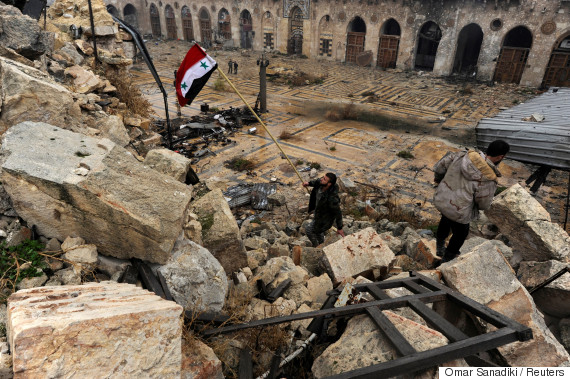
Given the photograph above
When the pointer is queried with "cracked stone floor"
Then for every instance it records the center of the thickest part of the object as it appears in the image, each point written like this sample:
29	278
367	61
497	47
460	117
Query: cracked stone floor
411	111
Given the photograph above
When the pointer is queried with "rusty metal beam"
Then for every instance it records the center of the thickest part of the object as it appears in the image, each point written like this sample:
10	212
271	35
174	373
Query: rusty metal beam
396	338
434	357
524	333
335	312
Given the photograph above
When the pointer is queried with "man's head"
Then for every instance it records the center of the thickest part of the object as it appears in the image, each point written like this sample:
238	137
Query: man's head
328	180
497	151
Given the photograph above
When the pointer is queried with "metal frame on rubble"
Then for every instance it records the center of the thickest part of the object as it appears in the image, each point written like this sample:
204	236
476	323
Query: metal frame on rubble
425	291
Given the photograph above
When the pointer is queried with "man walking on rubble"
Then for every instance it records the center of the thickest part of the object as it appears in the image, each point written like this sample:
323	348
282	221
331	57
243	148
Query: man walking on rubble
230	66
466	184
235	67
325	202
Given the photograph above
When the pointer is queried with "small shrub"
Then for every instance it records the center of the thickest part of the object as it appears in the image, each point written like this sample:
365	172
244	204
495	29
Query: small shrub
81	154
286	135
332	115
406	154
206	221
13	258
332	148
367	93
299	162
215	110
129	93
240	164
499	190
219	84
315	165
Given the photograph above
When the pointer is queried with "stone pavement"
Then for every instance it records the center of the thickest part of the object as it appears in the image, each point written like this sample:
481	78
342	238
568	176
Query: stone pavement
363	151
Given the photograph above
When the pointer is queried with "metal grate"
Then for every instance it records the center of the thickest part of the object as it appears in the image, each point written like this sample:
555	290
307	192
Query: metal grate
425	290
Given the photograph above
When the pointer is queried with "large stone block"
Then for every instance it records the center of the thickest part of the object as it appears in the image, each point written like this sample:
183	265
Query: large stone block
220	232
357	253
168	162
67	184
31	95
554	298
485	276
195	278
363	344
527	224
94	331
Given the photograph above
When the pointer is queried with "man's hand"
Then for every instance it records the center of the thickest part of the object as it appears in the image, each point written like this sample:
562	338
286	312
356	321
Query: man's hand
341	232
305	184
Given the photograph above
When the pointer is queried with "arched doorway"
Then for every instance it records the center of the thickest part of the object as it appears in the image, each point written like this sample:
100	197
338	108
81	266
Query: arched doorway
355	39
130	17
205	27
389	43
428	41
325	36
295	41
155	21
268	31
187	27
113	11
224	24
513	56
558	69
245	30
170	22
468	49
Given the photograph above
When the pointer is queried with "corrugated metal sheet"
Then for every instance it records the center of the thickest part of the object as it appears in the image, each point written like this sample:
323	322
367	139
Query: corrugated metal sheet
256	194
544	143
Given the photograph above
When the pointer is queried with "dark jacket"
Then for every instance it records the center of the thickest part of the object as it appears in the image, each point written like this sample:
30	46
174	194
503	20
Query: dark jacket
327	210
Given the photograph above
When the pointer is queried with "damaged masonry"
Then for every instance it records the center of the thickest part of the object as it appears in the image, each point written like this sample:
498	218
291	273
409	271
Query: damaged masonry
117	223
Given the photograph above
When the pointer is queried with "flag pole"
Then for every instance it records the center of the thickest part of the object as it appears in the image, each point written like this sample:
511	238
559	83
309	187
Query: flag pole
261	122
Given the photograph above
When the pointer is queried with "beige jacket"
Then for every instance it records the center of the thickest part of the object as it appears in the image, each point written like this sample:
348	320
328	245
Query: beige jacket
467	184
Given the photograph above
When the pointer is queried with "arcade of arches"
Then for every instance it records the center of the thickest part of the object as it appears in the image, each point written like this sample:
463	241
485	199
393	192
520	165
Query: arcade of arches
502	41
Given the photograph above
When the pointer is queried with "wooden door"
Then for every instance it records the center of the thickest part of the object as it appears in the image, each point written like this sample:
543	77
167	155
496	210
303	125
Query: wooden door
511	64
188	29
171	28
354	45
388	51
558	70
205	30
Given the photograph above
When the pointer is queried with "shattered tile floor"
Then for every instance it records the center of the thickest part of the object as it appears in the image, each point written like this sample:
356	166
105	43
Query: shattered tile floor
416	112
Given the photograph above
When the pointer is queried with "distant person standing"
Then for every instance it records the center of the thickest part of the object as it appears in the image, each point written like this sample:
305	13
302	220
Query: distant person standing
466	184
235	67
230	66
325	202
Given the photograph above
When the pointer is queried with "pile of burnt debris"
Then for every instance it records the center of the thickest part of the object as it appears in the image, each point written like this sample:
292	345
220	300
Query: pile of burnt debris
193	136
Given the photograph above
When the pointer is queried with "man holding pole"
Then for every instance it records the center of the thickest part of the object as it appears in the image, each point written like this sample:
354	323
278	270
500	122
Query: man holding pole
325	202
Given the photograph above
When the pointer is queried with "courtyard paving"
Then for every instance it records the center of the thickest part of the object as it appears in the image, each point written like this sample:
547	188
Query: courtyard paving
410	111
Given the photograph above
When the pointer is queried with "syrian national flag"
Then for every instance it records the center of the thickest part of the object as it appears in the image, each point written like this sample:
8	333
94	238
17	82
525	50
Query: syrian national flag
193	73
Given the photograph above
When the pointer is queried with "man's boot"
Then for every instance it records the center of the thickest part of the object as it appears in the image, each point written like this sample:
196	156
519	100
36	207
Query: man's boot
448	256
440	248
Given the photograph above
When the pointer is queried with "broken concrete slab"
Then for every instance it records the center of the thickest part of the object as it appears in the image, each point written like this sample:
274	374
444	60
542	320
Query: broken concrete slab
29	94
220	232
128	210
521	217
169	163
554	298
195	278
363	344
357	253
21	33
318	287
100	329
485	276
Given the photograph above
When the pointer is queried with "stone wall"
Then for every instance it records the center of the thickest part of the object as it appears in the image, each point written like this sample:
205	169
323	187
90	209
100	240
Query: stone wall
548	23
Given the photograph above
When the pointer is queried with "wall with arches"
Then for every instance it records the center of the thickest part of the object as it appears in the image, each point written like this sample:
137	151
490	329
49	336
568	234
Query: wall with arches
442	48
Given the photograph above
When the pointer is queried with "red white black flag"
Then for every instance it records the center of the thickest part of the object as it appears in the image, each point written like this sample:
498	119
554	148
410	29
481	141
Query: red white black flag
193	73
